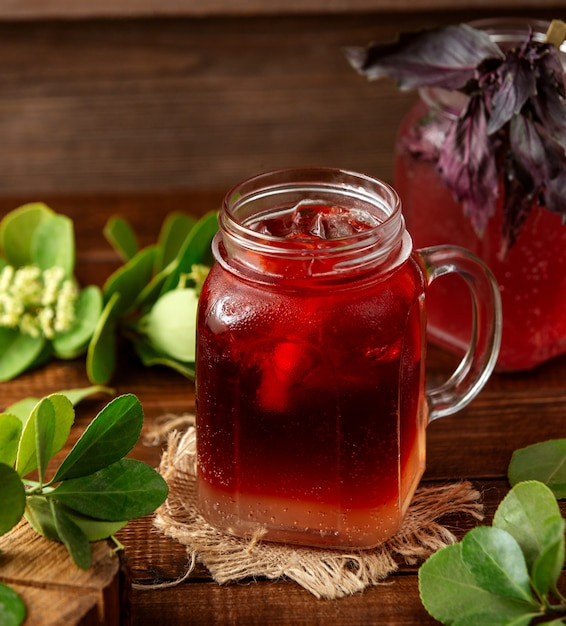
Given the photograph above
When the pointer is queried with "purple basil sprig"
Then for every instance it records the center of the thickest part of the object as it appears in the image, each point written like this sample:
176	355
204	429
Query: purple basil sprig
440	57
513	126
468	165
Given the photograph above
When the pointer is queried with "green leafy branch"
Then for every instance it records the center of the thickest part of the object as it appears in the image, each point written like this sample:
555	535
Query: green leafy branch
94	491
507	573
151	300
43	313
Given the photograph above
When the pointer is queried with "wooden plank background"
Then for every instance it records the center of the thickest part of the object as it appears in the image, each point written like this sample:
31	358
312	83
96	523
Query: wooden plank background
166	104
34	9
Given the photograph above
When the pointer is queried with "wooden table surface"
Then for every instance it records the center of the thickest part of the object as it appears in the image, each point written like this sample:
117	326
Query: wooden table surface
511	412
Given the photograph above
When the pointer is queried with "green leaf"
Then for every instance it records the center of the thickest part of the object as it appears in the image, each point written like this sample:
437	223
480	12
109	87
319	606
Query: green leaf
196	249
39	515
128	280
88	310
12	607
545	462
10	432
496	561
122	491
19	352
526	509
174	231
80	393
17	229
94	529
150	356
72	537
53	244
121	237
101	353
44	417
64	418
150	293
450	592
548	565
494	619
13	498
22	408
26	460
109	437
44	356
171	324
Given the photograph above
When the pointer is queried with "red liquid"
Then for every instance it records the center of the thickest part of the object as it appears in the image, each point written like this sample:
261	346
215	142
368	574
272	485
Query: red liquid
532	278
310	404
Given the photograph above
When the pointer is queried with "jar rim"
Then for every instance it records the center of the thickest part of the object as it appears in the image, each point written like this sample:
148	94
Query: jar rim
283	189
509	29
358	185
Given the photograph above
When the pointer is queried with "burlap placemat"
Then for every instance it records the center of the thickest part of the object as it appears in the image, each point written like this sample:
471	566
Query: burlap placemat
327	574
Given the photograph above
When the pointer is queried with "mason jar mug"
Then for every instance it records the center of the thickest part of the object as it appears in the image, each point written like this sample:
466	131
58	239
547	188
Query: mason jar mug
312	403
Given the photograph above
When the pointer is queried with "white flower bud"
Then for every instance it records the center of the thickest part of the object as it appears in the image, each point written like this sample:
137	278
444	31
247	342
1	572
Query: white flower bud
45	318
6	278
52	278
37	302
29	325
65	307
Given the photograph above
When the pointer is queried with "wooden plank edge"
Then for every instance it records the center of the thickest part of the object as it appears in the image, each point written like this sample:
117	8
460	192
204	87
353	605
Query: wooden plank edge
12	10
43	573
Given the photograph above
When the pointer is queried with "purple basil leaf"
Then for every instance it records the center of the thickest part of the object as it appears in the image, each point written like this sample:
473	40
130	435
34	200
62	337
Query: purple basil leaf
535	169
440	57
517	83
554	195
551	68
467	164
554	183
518	202
550	110
523	178
425	138
527	150
540	156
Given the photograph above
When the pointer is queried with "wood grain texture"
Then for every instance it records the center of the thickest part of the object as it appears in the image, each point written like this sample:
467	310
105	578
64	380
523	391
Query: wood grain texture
42	9
265	603
55	590
99	106
53	607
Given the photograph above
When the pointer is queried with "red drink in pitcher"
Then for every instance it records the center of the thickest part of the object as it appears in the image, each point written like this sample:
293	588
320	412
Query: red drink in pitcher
311	407
531	277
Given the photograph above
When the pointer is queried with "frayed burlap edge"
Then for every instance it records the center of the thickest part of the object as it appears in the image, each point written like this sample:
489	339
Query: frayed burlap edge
327	574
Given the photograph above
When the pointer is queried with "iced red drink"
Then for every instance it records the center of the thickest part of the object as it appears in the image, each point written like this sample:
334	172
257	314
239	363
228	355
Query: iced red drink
299	404
311	404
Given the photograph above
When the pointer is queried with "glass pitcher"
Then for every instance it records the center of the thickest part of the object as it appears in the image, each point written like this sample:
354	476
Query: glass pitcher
531	275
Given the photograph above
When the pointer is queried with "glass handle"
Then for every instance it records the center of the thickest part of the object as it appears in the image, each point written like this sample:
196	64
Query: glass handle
479	360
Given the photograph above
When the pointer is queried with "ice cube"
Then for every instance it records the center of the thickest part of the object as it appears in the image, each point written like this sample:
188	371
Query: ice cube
312	219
